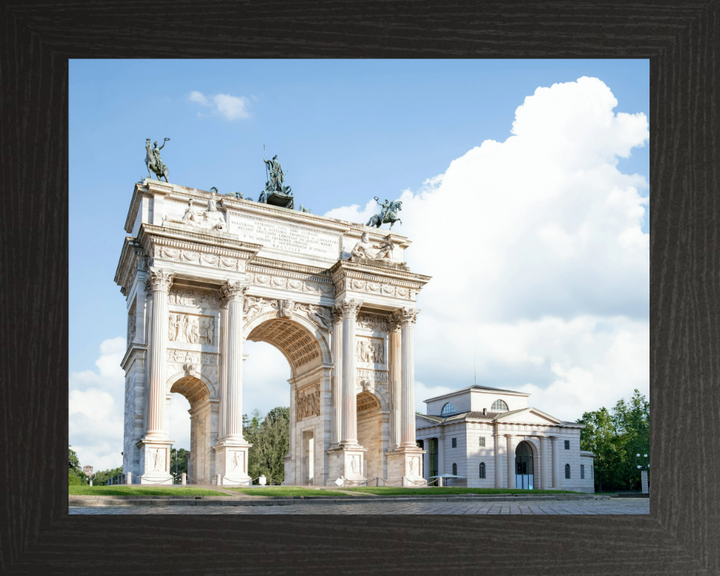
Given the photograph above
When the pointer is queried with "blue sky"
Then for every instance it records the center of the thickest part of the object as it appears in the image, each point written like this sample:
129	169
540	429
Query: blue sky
345	131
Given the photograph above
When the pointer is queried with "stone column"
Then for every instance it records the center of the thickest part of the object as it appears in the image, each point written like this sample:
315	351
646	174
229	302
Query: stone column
408	317
337	389
544	472
555	464
234	364
349	309
511	460
223	346
159	284
395	380
498	459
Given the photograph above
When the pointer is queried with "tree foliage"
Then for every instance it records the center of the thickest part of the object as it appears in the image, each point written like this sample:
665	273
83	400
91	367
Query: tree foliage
270	439
615	437
180	458
75	473
101	478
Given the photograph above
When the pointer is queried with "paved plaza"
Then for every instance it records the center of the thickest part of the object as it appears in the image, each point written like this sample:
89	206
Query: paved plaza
606	506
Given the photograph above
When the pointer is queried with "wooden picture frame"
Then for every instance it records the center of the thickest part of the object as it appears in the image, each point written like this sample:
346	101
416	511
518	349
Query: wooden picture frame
681	534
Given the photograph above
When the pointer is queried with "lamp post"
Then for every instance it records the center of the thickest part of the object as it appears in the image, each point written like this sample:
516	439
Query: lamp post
643	467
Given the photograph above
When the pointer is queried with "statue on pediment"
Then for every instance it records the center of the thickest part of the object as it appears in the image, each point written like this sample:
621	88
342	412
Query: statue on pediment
388	213
153	161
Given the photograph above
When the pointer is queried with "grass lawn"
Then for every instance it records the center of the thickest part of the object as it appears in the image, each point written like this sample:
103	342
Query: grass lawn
141	490
391	491
287	491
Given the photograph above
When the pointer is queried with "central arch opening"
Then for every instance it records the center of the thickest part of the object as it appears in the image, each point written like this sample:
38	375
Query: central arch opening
369	434
305	349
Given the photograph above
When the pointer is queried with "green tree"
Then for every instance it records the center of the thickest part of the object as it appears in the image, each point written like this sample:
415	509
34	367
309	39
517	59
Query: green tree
615	437
270	439
75	474
101	478
179	457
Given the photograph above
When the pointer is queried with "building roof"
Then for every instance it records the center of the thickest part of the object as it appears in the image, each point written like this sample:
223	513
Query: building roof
491	417
479	388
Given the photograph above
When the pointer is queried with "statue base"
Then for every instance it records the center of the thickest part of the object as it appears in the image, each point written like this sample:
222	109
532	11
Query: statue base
345	462
404	467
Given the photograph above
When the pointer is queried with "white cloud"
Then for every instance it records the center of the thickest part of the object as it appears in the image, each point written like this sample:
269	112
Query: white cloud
231	107
540	267
96	404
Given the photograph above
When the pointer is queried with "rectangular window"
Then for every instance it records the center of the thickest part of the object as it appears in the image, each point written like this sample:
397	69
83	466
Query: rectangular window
454	442
482	441
582	471
567	444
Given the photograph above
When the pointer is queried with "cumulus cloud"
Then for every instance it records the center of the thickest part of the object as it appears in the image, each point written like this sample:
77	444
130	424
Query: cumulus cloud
540	267
230	107
96	403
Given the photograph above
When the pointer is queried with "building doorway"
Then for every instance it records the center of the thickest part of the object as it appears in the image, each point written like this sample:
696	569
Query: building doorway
524	467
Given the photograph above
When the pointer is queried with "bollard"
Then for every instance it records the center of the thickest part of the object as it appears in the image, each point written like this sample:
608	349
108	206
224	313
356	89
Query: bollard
440	482
128	478
90	481
220	480
262	480
183	479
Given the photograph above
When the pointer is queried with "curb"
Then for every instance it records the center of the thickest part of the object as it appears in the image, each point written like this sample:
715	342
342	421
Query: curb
113	501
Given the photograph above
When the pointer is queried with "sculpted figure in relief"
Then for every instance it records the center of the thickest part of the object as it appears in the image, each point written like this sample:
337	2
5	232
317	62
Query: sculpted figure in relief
364	249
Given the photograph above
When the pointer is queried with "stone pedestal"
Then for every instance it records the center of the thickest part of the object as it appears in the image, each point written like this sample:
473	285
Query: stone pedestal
346	462
231	460
155	461
404	467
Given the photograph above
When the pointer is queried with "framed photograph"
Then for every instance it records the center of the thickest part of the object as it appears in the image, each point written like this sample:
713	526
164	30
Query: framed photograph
678	535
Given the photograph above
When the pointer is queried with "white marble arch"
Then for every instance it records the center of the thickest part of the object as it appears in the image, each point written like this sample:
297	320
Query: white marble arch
280	276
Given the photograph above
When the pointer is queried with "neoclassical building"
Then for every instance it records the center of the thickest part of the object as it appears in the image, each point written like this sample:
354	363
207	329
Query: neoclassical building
493	439
203	273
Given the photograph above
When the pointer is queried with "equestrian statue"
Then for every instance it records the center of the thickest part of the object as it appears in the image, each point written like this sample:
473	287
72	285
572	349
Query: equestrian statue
388	213
153	161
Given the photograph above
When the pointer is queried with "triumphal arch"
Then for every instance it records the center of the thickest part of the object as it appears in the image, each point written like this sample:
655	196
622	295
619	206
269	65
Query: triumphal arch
203	273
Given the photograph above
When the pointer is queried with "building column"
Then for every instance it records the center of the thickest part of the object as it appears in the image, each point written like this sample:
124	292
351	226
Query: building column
511	460
231	451
337	389
348	435
544	472
234	293
222	346
159	283
408	317
555	464
395	380
498	459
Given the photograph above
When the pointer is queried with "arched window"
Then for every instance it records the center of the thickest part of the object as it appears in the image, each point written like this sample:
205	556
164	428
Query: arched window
455	469
482	469
499	406
447	410
567	470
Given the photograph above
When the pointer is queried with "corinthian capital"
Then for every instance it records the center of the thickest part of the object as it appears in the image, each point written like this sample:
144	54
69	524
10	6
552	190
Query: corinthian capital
337	314
159	280
407	315
349	308
234	291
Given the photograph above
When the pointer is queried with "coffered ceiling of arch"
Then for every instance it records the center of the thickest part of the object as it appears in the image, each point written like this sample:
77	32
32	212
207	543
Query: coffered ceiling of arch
366	401
296	342
192	388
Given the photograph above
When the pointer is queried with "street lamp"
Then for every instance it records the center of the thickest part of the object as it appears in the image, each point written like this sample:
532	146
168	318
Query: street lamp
643	467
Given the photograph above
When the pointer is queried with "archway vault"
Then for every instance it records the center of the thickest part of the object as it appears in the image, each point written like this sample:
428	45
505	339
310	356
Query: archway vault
303	348
194	389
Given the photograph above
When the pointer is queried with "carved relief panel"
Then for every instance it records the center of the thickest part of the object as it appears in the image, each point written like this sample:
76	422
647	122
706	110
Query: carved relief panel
370	350
307	402
188	297
191	329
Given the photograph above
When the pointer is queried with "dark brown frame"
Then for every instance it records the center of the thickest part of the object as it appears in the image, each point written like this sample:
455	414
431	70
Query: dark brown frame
680	536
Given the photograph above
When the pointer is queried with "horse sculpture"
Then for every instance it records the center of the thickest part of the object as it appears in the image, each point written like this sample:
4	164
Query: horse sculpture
388	214
153	161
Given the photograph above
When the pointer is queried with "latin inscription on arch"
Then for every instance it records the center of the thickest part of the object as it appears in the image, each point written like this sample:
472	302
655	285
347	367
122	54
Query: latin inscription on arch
293	238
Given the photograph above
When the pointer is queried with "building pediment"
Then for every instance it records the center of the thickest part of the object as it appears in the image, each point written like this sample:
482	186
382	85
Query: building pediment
527	416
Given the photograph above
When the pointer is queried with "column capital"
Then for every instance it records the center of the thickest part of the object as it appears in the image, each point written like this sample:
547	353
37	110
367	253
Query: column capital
337	314
407	315
159	280
394	322
349	308
234	290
